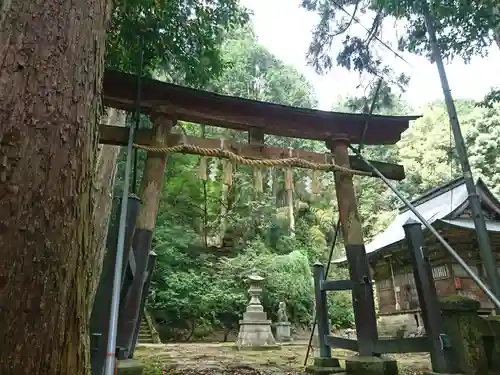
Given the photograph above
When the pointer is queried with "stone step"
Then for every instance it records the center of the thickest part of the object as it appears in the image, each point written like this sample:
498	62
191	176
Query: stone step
145	335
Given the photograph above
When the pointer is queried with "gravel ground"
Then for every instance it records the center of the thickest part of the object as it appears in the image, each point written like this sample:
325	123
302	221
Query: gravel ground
222	359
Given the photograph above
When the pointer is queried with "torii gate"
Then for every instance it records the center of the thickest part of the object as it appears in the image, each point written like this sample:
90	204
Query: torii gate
166	104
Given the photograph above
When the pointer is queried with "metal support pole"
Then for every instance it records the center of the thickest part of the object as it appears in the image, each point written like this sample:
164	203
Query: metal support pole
109	367
99	321
429	304
445	244
475	204
321	311
115	301
335	236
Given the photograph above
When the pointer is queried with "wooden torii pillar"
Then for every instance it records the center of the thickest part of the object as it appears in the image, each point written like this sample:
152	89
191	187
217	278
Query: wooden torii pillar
352	231
134	292
138	259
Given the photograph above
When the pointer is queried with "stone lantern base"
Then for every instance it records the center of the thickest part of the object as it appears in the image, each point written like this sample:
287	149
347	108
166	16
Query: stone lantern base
255	329
256	335
283	331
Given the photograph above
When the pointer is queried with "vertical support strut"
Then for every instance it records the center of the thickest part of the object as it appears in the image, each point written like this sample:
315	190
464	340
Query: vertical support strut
110	285
431	314
477	215
110	362
99	320
151	191
362	290
321	311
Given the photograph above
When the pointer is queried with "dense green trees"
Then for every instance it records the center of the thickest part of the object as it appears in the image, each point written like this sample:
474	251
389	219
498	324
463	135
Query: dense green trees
210	237
464	29
198	289
181	38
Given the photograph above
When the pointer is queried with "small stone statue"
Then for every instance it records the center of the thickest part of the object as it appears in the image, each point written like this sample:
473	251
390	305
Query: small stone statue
282	315
283	326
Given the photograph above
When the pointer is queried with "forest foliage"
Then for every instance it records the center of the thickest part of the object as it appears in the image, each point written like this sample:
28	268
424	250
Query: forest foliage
371	30
209	238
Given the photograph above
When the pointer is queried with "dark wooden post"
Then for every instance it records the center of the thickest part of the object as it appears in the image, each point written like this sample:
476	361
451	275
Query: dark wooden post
362	290
150	193
321	310
427	296
99	319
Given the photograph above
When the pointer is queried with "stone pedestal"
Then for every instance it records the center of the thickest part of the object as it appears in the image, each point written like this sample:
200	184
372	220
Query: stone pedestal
464	329
130	367
255	328
325	366
360	365
283	331
491	341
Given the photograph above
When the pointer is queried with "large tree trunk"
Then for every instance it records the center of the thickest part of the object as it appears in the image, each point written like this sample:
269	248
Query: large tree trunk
50	82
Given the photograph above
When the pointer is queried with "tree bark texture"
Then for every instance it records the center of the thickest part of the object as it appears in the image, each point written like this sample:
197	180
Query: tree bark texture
50	82
102	195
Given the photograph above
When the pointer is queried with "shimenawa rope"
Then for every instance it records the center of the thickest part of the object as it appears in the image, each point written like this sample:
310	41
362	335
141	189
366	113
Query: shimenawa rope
280	163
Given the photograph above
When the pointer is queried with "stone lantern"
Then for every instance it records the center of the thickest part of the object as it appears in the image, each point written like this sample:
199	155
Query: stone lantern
255	328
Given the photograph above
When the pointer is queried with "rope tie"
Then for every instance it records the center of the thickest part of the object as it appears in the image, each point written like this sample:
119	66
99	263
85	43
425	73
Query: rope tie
268	163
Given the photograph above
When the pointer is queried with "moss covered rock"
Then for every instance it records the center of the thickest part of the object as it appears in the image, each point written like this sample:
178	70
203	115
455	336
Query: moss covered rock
459	303
465	331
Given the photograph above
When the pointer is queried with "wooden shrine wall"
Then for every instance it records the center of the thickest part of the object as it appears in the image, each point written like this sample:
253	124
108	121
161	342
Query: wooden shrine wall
449	278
